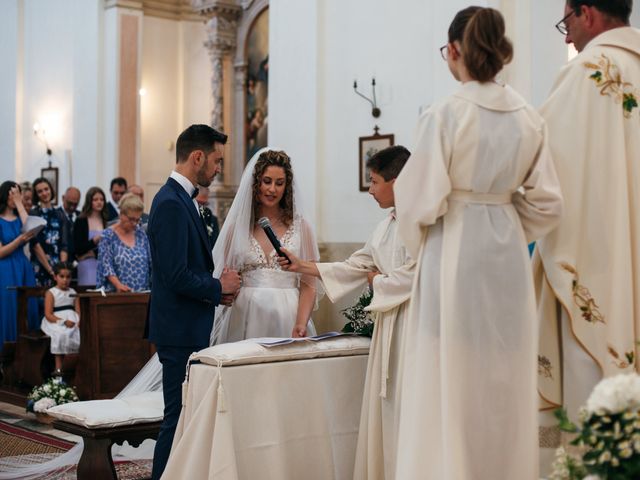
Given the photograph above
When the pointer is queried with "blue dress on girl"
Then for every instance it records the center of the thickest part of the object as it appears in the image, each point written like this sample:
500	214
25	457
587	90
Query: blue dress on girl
15	270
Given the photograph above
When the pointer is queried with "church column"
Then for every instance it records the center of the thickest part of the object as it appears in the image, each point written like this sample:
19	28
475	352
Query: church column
121	115
221	31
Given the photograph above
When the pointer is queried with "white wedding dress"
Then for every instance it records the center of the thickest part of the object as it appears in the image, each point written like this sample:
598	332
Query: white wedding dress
267	304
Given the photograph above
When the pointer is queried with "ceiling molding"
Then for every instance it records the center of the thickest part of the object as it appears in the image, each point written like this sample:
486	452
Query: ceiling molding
167	9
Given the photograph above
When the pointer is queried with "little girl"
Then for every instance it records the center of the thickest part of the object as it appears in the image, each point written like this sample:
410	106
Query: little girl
61	316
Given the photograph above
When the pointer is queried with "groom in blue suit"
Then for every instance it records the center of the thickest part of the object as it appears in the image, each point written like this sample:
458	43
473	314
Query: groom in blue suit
184	293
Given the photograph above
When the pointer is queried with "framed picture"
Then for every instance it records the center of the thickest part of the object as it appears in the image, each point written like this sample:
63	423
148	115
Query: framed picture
369	146
51	174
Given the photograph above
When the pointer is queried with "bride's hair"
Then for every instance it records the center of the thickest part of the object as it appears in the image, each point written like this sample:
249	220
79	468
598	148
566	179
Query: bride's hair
274	158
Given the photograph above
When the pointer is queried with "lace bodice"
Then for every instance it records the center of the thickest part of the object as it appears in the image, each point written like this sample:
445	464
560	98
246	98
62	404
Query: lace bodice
262	270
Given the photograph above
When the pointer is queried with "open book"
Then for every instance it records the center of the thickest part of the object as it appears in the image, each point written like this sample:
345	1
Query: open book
275	342
34	224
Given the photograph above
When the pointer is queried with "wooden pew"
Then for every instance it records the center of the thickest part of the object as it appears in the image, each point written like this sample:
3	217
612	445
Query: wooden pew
112	347
32	352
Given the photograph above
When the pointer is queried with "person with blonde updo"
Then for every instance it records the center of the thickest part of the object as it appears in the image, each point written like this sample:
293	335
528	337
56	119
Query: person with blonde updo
124	259
479	185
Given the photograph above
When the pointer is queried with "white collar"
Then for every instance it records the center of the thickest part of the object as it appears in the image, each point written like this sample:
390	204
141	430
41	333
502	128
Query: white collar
184	182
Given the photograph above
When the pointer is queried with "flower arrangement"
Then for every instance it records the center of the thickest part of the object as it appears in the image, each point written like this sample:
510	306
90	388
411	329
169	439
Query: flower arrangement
359	320
51	393
608	435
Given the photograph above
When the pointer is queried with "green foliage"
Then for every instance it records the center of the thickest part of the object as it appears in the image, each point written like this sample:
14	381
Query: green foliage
359	321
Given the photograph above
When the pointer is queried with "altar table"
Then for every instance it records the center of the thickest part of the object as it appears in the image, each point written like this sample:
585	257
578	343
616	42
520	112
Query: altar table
285	413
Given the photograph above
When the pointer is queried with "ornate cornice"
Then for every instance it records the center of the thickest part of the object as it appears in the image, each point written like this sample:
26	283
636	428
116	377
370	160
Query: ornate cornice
212	8
169	9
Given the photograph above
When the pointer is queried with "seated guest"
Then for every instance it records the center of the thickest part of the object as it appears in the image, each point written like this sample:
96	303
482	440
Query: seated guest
51	244
210	220
117	189
124	260
15	269
62	316
137	190
87	233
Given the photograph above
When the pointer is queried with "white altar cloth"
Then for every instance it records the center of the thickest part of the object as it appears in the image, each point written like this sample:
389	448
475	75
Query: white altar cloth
290	418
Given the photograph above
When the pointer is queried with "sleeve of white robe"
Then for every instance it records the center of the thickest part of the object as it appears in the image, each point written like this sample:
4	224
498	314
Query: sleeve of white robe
423	185
539	204
390	291
340	278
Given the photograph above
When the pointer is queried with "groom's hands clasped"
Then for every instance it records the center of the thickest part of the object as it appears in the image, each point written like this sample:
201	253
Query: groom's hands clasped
231	282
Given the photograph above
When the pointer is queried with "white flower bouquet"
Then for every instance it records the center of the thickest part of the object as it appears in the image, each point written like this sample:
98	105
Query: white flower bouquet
609	434
51	393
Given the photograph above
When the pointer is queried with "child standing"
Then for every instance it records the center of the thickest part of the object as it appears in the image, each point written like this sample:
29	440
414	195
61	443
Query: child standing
62	316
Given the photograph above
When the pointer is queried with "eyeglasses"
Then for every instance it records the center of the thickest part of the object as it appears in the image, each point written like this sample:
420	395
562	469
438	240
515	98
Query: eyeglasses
443	51
562	24
134	220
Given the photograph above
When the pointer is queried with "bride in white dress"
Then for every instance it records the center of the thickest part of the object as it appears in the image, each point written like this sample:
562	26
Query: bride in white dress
271	302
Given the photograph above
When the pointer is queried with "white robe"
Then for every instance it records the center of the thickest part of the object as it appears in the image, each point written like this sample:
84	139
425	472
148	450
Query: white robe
588	269
478	186
384	252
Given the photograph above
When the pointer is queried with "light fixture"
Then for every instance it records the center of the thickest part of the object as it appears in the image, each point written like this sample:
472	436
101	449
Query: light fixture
375	111
142	92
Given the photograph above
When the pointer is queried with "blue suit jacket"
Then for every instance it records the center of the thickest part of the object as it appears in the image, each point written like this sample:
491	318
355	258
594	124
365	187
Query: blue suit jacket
183	292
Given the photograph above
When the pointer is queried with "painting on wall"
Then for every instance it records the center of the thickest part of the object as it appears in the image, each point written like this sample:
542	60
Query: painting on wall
257	87
369	146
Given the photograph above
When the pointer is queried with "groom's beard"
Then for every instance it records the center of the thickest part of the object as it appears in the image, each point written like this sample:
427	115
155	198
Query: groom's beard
202	177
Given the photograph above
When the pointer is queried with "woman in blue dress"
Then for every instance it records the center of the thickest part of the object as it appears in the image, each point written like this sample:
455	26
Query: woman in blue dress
15	269
53	239
124	258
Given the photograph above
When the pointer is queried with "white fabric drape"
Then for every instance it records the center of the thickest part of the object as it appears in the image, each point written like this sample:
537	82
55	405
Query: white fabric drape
479	184
286	420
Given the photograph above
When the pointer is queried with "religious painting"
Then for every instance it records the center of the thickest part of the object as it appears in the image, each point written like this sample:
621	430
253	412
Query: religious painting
51	174
369	146
257	87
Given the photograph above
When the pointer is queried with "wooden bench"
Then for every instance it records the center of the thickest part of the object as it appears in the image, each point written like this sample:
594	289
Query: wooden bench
96	462
103	423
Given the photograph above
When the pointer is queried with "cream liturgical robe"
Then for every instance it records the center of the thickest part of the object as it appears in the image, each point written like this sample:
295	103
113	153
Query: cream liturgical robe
384	252
478	186
591	263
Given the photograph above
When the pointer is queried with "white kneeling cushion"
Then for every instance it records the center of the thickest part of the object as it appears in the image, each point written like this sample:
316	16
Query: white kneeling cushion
250	351
144	408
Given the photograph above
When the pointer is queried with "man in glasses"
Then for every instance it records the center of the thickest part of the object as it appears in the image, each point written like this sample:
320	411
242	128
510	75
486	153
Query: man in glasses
588	269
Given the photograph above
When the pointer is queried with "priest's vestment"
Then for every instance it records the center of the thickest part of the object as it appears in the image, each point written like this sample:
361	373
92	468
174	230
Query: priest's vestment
479	185
588	269
384	252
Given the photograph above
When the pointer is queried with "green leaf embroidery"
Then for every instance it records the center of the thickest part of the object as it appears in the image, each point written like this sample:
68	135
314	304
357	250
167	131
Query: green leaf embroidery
629	102
597	76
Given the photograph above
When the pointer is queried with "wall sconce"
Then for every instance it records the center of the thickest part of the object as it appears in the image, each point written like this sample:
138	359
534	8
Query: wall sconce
41	135
375	111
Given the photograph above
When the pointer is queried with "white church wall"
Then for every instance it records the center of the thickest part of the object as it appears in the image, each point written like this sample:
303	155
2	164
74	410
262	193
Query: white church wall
52	78
159	107
317	117
175	76
10	53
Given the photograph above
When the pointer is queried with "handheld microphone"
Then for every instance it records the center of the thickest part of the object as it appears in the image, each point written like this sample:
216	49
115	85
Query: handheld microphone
266	226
